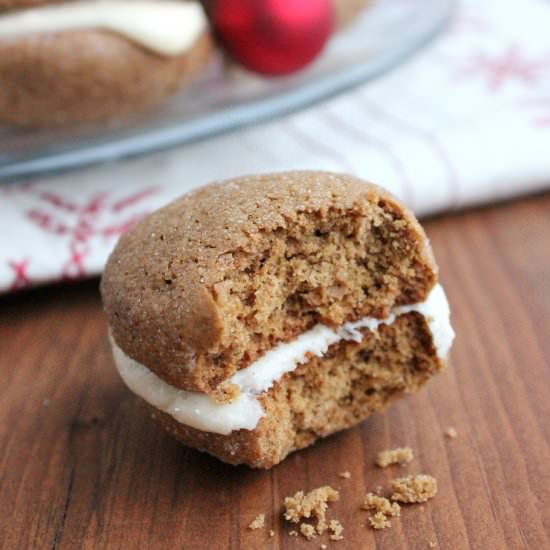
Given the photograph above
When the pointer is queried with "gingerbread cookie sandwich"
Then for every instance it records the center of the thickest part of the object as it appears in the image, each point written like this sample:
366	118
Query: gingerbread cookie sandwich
260	314
86	61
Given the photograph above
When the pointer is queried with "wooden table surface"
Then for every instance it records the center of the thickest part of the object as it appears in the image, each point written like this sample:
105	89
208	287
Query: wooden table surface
83	466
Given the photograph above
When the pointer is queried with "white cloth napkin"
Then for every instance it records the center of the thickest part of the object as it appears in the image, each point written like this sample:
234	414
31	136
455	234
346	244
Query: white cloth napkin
465	122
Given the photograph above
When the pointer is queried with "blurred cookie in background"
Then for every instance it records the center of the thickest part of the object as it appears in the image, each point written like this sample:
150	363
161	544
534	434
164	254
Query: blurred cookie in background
86	62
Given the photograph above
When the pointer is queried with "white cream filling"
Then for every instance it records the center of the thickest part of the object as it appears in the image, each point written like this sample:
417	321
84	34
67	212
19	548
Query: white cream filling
201	412
167	27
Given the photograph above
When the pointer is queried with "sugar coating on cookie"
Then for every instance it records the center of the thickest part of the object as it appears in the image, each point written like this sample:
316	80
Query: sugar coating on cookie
259	314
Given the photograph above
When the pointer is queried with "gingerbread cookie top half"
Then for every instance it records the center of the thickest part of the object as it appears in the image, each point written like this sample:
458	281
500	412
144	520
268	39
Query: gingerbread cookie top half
226	272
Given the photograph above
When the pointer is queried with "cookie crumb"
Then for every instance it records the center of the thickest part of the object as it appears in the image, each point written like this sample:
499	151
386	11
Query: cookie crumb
257	523
345	475
323	547
336	530
271	533
381	504
293	533
415	488
432	544
451	433
379	521
399	455
313	504
308	531
225	393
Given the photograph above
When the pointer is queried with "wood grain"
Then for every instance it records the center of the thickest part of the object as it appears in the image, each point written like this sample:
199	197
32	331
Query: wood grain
83	466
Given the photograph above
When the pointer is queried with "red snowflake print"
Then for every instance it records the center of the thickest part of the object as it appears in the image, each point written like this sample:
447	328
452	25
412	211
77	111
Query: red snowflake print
74	266
20	274
82	221
509	66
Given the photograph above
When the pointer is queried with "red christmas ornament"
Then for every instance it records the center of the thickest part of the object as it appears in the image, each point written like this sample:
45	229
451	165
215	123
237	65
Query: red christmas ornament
273	37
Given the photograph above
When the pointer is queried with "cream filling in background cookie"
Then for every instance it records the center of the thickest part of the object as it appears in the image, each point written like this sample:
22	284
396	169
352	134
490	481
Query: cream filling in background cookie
199	411
166	27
